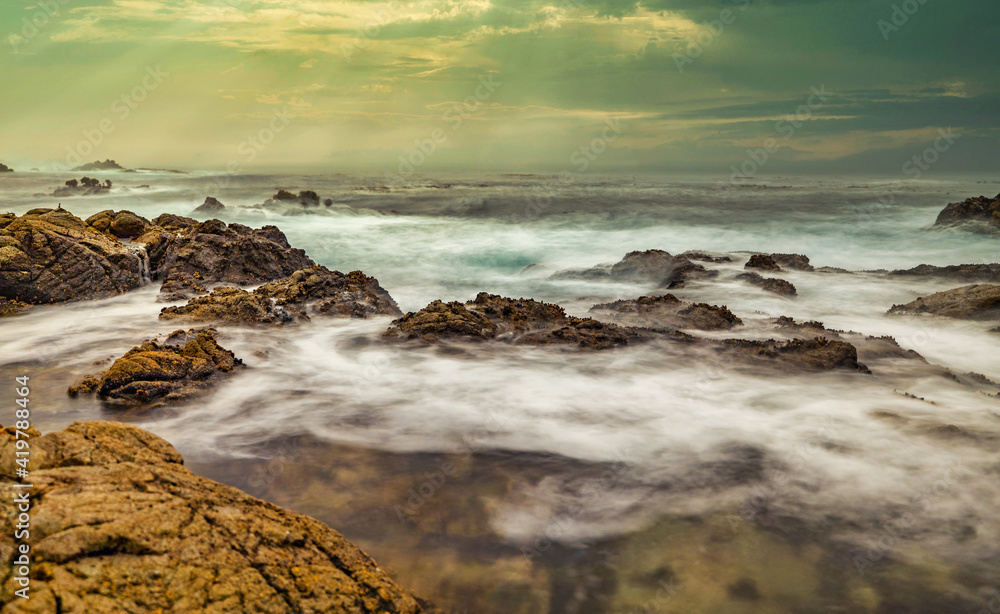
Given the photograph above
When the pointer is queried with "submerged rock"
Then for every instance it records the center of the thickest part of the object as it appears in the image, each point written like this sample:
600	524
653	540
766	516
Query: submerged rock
705	257
957	272
122	225
815	353
518	321
667	311
50	255
211	205
653	266
312	291
795	262
770	284
762	262
974	302
118	524
186	254
184	365
979	210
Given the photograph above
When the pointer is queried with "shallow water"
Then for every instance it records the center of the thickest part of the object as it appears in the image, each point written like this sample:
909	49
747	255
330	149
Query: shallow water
751	489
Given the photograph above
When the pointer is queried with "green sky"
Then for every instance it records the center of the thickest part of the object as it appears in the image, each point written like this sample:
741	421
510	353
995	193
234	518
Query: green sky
500	84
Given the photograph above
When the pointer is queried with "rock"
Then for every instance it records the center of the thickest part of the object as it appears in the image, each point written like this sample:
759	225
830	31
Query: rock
762	262
704	257
312	291
770	284
5	169
979	210
211	205
107	165
795	262
118	524
306	198
86	186
50	255
122	225
193	254
974	302
817	353
667	311
653	266
184	365
9	307
517	321
958	272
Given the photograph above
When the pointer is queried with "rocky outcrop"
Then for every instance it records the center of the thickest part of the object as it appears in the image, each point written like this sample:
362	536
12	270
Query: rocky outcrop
9	307
979	210
762	262
666	311
186	255
182	366
121	225
770	284
517	321
817	353
210	206
653	266
705	257
959	272
50	255
107	165
86	186
794	262
305	198
869	348
5	169
119	525
313	291
975	302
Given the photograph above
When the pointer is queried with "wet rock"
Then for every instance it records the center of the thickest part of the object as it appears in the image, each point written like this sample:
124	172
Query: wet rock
795	262
305	198
989	273
5	169
981	211
183	366
313	291
9	307
122	225
50	255
653	266
119	524
817	353
974	302
770	284
200	253
210	206
705	257
87	186
762	262
667	311
518	321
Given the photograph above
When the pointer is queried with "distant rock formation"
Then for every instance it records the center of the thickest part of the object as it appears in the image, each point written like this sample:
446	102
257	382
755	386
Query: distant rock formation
5	169
211	205
980	211
184	365
305	198
107	165
957	272
86	186
666	311
974	302
120	525
653	266
309	292
770	284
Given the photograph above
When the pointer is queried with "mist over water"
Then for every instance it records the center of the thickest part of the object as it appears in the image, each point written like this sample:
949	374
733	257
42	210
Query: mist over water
848	451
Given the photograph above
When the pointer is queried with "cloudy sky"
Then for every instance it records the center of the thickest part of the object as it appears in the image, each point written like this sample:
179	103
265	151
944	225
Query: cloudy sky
657	85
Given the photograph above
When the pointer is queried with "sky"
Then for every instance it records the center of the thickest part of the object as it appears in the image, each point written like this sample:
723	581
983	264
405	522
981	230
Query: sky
818	86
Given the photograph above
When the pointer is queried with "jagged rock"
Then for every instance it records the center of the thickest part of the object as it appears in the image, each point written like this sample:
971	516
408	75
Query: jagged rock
957	272
50	255
195	253
870	348
316	290
184	365
979	210
306	198
816	353
795	262
770	284
653	266
211	205
975	302
518	321
667	311
5	169
123	224
86	186
704	257
118	524
9	307
762	262
107	165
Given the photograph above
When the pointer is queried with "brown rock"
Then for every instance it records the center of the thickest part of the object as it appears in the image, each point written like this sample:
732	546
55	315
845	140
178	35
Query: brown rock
667	311
979	210
817	353
50	255
316	290
122	225
211	205
183	366
975	302
988	273
770	284
119	525
795	262
762	262
9	307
